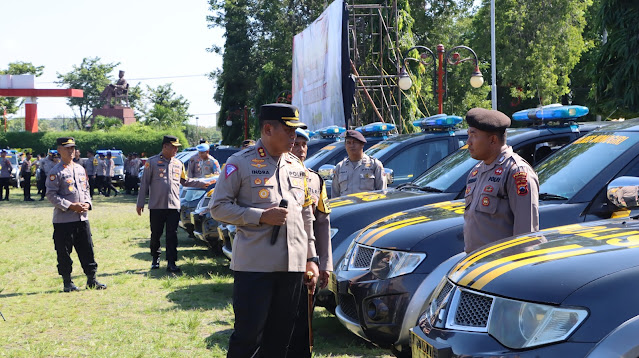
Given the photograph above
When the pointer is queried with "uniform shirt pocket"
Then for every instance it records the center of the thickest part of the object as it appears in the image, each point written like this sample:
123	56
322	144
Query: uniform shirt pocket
342	178
488	200
297	189
468	194
261	189
367	181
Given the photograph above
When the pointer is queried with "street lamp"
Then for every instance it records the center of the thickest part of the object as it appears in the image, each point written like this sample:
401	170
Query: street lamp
440	65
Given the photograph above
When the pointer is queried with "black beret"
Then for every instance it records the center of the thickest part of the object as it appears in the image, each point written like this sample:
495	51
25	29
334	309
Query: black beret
66	141
171	140
286	113
351	133
487	120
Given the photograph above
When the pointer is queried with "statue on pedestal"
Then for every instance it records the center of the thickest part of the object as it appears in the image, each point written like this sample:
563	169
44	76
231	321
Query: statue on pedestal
119	91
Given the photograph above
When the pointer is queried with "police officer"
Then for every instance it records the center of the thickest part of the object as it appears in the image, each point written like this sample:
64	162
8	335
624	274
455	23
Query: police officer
25	172
100	174
90	166
5	174
163	174
357	172
203	164
108	177
46	164
502	190
274	245
299	346
134	171
68	191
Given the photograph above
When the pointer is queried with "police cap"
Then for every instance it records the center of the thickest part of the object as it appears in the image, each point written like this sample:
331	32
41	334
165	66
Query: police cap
285	113
351	133
487	120
302	133
202	147
65	141
171	140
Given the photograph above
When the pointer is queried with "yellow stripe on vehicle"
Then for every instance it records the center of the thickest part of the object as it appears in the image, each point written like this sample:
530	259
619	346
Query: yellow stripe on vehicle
469	260
373	232
479	284
379	235
470	277
385	218
620	214
335	204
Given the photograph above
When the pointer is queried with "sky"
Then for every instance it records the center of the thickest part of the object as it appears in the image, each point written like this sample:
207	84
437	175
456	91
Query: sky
155	41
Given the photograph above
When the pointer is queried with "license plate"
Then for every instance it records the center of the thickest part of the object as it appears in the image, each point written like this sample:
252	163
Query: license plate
420	348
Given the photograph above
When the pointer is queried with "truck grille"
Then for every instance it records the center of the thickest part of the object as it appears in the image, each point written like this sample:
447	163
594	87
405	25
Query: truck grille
442	294
347	304
473	310
363	256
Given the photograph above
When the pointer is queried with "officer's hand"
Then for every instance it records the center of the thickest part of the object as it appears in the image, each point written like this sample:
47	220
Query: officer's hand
203	185
77	207
275	216
139	210
312	267
323	279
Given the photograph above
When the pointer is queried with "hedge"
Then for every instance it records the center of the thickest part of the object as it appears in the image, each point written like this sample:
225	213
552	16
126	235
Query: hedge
130	138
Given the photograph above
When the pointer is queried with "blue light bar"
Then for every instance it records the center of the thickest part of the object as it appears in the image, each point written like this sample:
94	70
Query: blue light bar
551	112
330	131
438	121
310	133
375	128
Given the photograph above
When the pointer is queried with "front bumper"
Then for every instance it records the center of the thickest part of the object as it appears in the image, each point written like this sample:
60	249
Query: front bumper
374	309
452	344
196	221
185	218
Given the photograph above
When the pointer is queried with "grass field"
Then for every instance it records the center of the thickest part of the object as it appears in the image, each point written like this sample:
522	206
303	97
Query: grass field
143	313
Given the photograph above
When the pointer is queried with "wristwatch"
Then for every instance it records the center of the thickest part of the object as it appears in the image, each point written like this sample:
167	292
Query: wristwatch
314	259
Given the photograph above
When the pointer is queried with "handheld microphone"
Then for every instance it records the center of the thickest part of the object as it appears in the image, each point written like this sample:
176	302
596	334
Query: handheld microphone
276	229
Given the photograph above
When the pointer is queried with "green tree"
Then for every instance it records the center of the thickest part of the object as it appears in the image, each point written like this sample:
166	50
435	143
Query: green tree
91	77
617	62
12	104
167	109
538	45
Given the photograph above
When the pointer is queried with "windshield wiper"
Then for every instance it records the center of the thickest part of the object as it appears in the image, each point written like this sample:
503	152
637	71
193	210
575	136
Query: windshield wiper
548	196
430	189
409	186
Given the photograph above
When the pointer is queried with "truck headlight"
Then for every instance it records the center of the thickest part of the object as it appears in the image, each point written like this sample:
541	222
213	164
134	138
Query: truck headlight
388	264
518	324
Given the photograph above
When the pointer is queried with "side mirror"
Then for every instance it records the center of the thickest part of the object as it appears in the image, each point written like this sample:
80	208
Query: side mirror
623	192
326	171
390	176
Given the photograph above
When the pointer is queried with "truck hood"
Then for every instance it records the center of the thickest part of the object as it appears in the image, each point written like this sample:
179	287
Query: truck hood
549	265
423	221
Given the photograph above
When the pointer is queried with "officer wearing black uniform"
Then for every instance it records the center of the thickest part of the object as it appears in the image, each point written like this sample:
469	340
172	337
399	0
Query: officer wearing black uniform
68	191
25	172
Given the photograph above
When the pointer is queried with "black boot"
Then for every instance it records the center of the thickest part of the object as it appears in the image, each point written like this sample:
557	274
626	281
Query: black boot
172	267
92	283
156	263
69	286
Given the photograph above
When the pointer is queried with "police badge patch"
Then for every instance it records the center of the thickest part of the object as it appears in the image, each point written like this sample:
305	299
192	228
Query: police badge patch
230	169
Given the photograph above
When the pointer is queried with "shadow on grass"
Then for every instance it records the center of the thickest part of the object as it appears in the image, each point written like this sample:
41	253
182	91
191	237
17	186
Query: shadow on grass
332	338
206	296
220	339
7	295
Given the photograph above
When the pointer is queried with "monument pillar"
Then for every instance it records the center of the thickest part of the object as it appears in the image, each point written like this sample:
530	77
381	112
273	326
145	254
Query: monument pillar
31	115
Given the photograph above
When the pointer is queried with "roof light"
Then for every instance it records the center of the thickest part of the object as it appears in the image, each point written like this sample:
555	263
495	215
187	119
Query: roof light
376	128
438	121
330	131
551	112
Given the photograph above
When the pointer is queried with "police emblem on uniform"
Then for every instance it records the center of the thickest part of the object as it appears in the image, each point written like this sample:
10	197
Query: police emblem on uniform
69	180
230	169
474	172
263	193
499	170
488	189
258	160
521	182
71	188
485	201
467	189
257	181
257	165
52	177
261	152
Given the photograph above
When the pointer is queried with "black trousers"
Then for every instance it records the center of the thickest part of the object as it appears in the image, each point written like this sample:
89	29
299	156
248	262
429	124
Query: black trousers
300	347
27	186
108	185
4	185
265	305
67	236
42	188
99	183
161	218
91	184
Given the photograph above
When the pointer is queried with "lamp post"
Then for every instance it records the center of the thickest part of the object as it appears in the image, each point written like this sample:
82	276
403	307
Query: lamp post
440	66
